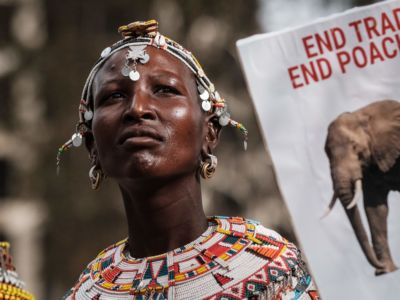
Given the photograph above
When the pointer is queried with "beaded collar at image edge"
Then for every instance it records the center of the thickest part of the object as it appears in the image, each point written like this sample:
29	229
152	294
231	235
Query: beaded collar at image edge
137	36
232	252
11	287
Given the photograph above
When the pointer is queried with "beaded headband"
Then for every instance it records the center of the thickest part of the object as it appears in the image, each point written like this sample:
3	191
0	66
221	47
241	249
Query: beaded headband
138	36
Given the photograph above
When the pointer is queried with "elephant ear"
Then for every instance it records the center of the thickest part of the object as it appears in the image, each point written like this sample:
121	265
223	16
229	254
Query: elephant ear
385	134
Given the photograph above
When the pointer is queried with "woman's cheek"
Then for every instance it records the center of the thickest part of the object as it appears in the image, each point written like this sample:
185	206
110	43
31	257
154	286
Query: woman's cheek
180	113
104	120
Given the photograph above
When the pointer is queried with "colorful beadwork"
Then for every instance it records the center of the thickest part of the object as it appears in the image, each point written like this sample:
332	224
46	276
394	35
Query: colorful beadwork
11	287
233	259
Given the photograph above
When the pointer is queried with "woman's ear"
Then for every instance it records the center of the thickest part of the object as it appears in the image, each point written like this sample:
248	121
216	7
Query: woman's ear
91	148
213	131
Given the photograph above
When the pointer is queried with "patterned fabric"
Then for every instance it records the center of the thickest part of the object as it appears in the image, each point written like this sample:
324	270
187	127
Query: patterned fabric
233	259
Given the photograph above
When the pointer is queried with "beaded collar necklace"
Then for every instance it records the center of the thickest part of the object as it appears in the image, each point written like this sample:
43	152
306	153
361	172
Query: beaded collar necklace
115	271
234	258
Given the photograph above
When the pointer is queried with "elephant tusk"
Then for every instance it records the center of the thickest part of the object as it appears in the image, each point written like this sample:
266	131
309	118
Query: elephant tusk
357	195
330	206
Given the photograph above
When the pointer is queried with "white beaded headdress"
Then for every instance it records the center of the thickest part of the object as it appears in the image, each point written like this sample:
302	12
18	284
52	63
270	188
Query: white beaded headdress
137	36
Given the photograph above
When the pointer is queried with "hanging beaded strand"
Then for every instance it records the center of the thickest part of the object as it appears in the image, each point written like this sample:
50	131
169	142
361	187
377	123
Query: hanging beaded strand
138	36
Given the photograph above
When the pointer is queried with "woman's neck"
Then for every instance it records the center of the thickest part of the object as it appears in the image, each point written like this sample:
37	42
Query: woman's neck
163	214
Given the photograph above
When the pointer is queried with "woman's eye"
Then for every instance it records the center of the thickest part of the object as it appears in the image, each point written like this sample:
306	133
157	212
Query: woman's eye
167	90
116	95
110	98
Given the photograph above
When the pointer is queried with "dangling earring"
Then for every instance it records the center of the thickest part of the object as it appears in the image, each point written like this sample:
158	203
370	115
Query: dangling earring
208	167
96	176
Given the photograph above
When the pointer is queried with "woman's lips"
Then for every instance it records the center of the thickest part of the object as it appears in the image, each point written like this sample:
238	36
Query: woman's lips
140	137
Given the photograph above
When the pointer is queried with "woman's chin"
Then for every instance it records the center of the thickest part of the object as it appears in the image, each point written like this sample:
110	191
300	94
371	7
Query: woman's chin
139	165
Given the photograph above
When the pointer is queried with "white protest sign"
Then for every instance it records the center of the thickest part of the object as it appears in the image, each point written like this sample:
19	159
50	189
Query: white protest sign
301	80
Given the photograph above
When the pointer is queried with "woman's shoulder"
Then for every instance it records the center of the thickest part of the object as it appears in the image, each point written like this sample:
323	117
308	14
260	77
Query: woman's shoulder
282	271
104	259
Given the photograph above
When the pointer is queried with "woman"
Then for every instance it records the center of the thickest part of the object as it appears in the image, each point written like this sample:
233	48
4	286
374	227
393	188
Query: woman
151	118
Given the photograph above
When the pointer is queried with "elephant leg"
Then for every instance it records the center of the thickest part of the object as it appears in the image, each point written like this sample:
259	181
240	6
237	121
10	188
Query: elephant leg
376	208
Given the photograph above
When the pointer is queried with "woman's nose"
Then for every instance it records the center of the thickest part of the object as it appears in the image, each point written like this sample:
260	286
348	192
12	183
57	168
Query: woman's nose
140	107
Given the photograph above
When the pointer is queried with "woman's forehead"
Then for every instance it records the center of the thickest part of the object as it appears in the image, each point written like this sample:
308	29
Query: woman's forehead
160	62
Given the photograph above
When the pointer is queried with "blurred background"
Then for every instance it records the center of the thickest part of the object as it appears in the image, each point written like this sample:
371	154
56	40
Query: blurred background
57	224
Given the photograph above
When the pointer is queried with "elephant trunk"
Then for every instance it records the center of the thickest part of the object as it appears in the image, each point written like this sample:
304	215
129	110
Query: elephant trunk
349	192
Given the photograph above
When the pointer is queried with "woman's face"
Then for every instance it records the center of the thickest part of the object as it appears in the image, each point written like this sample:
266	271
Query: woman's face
152	127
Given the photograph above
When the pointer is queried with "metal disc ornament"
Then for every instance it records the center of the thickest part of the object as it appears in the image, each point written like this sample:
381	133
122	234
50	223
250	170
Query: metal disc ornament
219	111
200	72
76	139
206	105
224	119
160	41
145	58
105	52
126	70
88	115
204	95
200	88
134	75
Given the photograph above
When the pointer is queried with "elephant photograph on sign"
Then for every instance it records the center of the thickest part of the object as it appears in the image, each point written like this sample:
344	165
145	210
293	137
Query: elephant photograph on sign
363	148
